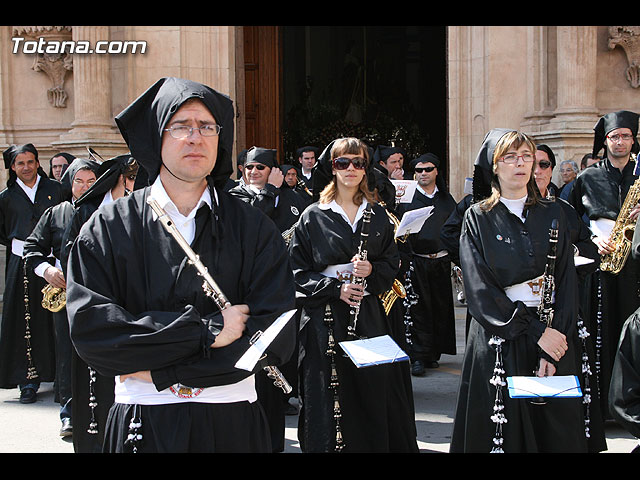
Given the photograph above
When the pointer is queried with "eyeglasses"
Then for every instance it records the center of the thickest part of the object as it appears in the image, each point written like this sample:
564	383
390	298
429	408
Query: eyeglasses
424	169
616	138
342	163
184	131
513	158
544	164
82	183
251	167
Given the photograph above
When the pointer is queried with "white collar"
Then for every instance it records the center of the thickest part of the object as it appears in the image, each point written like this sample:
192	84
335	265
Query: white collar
159	193
30	191
430	195
333	205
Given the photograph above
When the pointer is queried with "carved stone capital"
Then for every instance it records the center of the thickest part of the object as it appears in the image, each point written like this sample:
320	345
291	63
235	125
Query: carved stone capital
629	39
55	64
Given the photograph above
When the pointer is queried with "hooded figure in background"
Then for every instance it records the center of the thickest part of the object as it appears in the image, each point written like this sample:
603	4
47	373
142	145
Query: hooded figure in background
140	312
45	241
599	192
432	327
58	164
24	362
116	177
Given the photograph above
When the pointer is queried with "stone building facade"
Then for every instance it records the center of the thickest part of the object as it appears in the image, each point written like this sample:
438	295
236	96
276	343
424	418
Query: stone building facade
550	81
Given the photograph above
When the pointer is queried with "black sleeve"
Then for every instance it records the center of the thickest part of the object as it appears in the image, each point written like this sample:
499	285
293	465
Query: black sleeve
624	391
114	341
38	245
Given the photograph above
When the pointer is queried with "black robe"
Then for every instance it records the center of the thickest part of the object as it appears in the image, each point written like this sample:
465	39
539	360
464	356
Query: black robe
46	239
598	192
125	268
376	403
93	392
18	217
498	250
624	392
433	316
284	206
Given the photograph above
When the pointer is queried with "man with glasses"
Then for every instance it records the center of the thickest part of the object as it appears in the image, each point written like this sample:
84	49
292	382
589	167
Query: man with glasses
433	318
46	240
598	192
137	308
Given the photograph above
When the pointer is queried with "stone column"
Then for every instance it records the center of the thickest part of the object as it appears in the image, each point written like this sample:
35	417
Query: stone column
93	124
568	128
577	54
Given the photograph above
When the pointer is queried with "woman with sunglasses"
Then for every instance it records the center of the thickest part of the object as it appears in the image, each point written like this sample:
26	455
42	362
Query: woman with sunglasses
345	408
504	248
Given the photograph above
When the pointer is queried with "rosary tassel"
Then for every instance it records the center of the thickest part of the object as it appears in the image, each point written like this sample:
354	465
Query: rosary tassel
31	369
409	300
134	437
498	381
586	373
93	402
334	384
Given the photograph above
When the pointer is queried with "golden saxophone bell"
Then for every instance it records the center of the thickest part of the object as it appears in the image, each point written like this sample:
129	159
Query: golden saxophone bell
622	233
54	299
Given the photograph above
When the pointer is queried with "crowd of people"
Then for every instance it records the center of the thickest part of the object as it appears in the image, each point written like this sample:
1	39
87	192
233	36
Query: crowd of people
163	272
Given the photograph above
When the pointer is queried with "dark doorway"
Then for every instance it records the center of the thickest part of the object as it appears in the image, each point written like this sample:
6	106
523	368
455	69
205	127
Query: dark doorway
384	84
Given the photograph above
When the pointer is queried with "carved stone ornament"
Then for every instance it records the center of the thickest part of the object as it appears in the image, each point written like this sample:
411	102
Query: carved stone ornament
629	39
55	64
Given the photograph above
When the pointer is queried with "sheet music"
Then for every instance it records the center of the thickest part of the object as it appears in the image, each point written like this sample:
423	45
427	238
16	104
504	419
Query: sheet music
404	190
256	351
413	220
367	352
561	386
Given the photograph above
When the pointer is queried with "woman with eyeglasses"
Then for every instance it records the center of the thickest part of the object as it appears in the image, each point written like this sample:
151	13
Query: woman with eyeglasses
345	408
504	248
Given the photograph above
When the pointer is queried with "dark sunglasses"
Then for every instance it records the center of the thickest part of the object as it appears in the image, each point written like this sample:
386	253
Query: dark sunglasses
544	164
424	169
251	167
342	163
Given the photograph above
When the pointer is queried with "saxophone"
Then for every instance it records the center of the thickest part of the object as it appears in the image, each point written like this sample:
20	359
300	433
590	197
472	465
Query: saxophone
622	233
54	299
397	290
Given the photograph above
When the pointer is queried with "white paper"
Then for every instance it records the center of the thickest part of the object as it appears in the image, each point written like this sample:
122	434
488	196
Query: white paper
255	351
373	351
404	190
579	260
413	220
561	386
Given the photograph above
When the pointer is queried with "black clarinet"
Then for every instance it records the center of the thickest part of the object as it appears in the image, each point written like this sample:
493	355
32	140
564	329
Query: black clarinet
545	307
360	281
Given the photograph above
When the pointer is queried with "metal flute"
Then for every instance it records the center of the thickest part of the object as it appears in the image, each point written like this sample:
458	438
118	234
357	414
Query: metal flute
209	286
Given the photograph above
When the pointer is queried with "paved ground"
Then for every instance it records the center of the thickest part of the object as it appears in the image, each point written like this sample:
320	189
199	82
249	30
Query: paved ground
34	428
